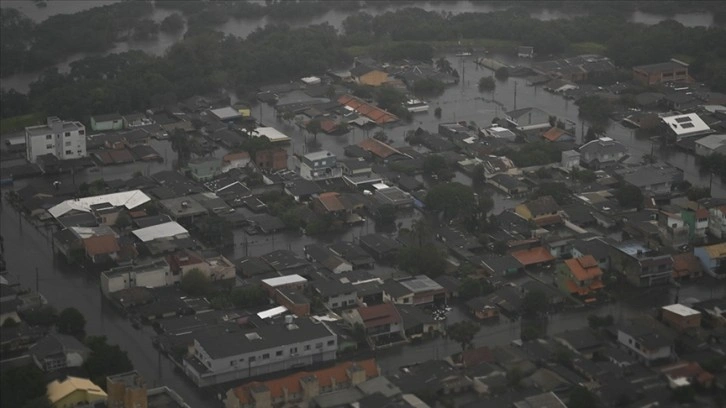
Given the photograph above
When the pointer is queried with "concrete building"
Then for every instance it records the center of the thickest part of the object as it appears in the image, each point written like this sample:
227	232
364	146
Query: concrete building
711	144
601	152
221	356
647	340
680	317
151	275
111	121
653	74
335	294
688	125
129	390
64	140
58	351
640	265
319	166
713	259
717	221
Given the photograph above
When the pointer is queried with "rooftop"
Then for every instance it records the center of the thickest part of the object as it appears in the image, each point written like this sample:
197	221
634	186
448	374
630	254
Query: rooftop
421	283
533	256
129	199
661	67
681	310
165	230
57	390
271	133
284	280
686	124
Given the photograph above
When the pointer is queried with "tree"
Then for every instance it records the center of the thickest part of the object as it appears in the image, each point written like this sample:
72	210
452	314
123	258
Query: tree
123	221
426	259
173	23
19	386
478	176
581	397
437	112
181	144
487	84
428	87
443	65
596	322
558	191
437	166
9	323
105	359
463	333
534	303
450	199
629	196
45	315
472	287
314	127
502	73
696	193
386	215
195	283
380	135
249	296
71	322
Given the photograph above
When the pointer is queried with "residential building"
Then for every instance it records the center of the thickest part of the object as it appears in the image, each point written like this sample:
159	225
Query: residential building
218	356
380	246
713	259
602	152
151	275
64	140
292	300
319	166
674	231
556	134
365	75
58	351
640	265
424	290
111	121
581	277
482	308
72	391
335	294
274	158
324	256
235	161
660	73
548	400
653	179
525	51
717	221
294	282
162	233
570	159
128	199
646	339
711	144
595	247
680	317
215	267
129	390
302	387
371	112
382	323
508	184
686	266
418	323
380	151
542	211
204	169
393	196
687	125
528	119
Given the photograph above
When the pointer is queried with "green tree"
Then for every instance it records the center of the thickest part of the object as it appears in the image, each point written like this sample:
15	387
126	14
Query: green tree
558	191
596	322
21	385
478	176
426	259
696	193
123	221
173	23
487	84
581	397
385	215
45	315
437	112
534	303
502	73
314	127
435	165
472	287
105	359
463	333
450	199
249	296
195	283
629	196
428	87
71	322
181	144
443	65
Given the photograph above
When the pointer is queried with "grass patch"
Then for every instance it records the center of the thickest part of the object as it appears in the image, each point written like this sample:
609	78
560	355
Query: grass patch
17	123
588	48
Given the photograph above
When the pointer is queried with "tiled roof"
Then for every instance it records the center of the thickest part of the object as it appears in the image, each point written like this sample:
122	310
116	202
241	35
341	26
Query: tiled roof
533	256
716	251
103	244
373	316
378	148
554	134
373	113
292	383
331	201
584	268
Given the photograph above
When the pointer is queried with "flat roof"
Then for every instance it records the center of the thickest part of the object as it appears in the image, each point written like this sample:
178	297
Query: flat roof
266	314
686	124
421	283
284	280
165	230
271	133
227	112
681	310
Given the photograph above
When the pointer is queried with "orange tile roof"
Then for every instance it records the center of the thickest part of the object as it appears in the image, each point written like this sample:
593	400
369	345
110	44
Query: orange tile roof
373	113
686	264
102	244
584	268
701	213
377	315
548	220
554	134
377	147
331	201
291	383
533	256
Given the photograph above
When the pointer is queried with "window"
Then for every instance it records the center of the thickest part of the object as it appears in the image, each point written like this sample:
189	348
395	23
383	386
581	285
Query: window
68	143
331	342
307	347
319	345
81	132
266	356
69	151
252	359
49	146
241	360
231	363
278	353
293	350
48	137
67	134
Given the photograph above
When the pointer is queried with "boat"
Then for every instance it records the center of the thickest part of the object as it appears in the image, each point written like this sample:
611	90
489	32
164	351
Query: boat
416	105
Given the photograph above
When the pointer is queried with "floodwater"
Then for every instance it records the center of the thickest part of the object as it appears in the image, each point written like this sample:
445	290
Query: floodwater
243	27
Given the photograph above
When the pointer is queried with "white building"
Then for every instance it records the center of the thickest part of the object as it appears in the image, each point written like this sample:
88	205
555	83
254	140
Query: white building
686	125
222	356
320	166
647	343
711	144
64	140
152	275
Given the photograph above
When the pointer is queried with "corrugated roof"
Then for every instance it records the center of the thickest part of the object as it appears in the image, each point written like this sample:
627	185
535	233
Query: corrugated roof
165	230
716	251
57	390
284	280
374	113
331	201
128	199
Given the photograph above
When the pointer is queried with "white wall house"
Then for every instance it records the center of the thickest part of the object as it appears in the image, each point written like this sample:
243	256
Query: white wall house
64	140
152	275
646	344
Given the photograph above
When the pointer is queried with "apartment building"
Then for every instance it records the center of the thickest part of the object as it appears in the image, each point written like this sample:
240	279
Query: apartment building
64	140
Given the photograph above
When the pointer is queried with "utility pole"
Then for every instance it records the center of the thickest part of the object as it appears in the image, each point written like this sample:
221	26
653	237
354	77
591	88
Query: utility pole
515	95
37	281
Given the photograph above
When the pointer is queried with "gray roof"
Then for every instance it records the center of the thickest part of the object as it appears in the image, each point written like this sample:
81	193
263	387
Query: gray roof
54	344
220	344
508	181
651	334
644	176
603	146
395	289
332	287
542	205
660	67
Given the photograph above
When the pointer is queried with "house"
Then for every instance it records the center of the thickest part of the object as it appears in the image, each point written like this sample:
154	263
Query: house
556	134
127	199
663	72
319	166
713	311
294	282
64	140
498	132
534	257
301	388
335	294
381	151
524	51
226	114
482	308
393	196
528	119
684	373
331	203
594	247
653	179
680	317
603	152
686	266
640	265
711	144
101	248
380	246
507	299
322	255
717	221
111	121
382	323
417	323
153	274
129	389
58	351
508	184
214	267
547	399
274	158
73	391
713	259
424	290
218	356
204	169
369	111
302	190
542	211
501	266
646	339
364	74
688	125
581	277
353	254
294	301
